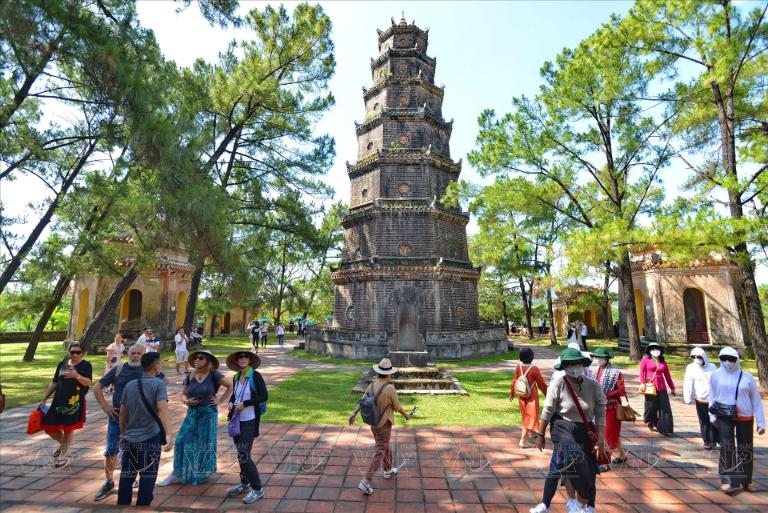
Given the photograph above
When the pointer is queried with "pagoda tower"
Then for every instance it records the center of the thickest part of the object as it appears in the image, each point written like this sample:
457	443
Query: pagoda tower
405	282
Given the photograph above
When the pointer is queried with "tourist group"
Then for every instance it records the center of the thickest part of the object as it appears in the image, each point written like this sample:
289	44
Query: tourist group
584	407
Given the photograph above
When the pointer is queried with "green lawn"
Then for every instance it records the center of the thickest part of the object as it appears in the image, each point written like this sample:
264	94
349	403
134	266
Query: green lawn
300	353
329	400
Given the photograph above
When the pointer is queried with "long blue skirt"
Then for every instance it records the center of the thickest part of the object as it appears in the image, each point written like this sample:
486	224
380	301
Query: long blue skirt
194	453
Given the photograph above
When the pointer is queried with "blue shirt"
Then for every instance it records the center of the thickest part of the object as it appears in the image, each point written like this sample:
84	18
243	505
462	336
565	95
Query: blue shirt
127	374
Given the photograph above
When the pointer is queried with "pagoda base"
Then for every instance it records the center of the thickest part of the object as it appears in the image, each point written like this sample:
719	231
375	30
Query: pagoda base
441	346
409	358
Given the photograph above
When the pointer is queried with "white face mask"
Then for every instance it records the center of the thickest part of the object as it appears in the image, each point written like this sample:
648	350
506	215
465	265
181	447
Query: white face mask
731	366
602	362
575	371
655	353
700	362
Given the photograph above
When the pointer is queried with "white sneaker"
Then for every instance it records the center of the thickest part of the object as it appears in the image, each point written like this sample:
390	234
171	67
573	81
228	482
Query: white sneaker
168	480
365	488
574	506
390	473
539	508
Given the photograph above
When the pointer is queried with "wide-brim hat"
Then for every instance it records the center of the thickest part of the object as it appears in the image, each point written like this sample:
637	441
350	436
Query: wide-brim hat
602	352
232	360
384	367
571	355
654	344
210	355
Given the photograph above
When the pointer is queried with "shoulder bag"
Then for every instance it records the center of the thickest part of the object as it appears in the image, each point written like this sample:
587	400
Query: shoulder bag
590	427
625	412
152	412
649	387
727	411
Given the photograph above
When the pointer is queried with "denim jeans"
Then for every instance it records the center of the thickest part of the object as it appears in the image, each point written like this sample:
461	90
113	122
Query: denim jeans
142	458
243	443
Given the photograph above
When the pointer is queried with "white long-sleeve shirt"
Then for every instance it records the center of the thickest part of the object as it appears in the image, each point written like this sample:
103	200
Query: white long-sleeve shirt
696	381
722	388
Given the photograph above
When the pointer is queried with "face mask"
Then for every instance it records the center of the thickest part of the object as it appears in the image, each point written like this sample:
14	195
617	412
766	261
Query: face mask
699	362
731	366
602	362
575	371
655	353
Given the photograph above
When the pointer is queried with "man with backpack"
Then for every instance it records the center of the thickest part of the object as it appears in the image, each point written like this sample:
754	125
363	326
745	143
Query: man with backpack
118	377
377	408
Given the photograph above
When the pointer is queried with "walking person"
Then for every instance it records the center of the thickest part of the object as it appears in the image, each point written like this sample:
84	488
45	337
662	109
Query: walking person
386	404
264	332
145	428
584	333
571	336
291	327
280	334
696	390
612	382
654	378
255	335
249	392
735	407
182	353
115	352
116	378
572	399
145	335
526	384
69	387
152	342
194	454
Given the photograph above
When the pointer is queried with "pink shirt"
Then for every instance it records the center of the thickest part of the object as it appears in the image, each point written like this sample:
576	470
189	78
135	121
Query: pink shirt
647	369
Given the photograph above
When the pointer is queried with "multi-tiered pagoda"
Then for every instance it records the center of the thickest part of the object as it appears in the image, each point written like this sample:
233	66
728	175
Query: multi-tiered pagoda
405	281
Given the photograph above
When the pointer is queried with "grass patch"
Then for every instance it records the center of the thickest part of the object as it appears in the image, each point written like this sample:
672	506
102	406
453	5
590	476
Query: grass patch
483	360
300	353
327	398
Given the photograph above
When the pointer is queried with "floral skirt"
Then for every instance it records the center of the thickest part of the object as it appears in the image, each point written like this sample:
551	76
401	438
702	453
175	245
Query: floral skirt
194	453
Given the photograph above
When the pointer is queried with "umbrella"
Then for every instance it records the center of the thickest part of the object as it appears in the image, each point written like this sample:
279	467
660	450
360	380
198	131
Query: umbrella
310	322
329	317
264	320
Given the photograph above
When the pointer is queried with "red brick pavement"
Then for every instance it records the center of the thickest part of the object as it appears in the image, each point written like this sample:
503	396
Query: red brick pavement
445	469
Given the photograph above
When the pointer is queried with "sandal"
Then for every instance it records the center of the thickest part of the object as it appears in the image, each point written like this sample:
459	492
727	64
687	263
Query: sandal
57	453
63	462
618	461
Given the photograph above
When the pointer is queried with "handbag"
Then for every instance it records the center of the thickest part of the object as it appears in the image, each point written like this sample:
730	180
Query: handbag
35	423
625	412
727	411
152	412
233	424
649	388
591	430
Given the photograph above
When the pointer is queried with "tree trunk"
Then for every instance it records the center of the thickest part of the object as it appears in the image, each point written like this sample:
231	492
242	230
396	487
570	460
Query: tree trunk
526	307
214	319
505	317
628	309
58	292
108	308
194	289
607	328
551	314
756	322
281	288
18	258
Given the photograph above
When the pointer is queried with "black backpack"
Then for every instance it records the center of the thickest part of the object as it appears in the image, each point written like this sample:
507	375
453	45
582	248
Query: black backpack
368	409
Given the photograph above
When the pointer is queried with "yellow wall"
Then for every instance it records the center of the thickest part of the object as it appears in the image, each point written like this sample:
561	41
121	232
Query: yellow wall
640	311
82	312
181	308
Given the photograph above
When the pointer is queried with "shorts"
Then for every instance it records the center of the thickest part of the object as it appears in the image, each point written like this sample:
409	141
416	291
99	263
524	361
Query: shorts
181	356
113	437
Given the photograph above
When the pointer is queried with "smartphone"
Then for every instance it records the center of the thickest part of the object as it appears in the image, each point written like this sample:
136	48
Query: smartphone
411	413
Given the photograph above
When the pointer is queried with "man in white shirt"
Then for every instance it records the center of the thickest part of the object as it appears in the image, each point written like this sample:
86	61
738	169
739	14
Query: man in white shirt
152	343
181	350
146	335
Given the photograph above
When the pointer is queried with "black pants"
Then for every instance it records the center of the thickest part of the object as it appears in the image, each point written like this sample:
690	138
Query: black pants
572	459
584	342
709	433
736	453
658	413
243	443
142	458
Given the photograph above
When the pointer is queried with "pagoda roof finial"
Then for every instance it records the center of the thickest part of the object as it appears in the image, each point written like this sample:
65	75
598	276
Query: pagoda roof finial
402	19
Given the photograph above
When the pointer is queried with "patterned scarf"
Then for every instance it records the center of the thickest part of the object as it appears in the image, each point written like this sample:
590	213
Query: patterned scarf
608	379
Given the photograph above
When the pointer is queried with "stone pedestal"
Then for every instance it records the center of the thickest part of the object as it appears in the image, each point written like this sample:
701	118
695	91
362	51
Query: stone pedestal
409	358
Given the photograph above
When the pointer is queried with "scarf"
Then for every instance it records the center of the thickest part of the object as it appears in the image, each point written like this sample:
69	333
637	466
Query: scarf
608	379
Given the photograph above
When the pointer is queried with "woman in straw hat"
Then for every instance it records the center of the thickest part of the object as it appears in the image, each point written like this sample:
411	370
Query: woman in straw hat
612	382
571	398
386	403
249	391
194	453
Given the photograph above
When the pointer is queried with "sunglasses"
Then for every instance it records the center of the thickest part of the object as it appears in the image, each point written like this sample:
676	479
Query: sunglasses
696	358
201	357
728	358
243	356
75	352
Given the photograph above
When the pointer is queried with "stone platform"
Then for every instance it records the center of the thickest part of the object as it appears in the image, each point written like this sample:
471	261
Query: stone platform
428	380
441	346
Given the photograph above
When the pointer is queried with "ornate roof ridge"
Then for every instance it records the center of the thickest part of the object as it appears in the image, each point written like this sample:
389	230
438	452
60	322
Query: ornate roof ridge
403	52
404	155
646	265
351	273
399	80
400	29
419	113
390	205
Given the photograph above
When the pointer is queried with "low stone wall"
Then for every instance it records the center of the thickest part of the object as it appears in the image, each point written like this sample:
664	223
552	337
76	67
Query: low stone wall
442	346
23	337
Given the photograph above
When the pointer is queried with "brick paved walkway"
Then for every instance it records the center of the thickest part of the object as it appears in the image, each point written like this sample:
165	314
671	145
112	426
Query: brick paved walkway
446	469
